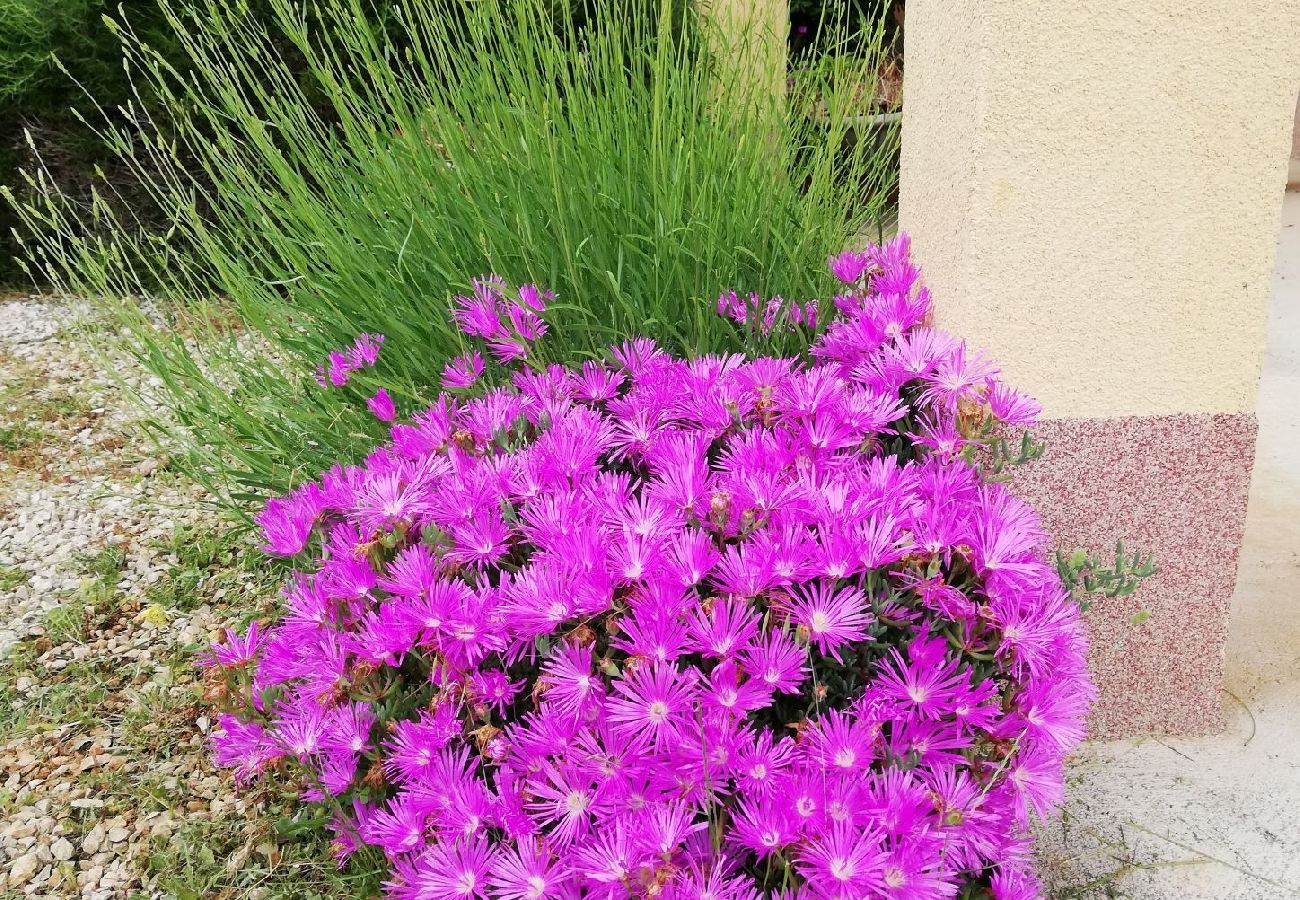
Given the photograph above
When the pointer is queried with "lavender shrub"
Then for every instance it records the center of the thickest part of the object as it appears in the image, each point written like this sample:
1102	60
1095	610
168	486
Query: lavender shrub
726	627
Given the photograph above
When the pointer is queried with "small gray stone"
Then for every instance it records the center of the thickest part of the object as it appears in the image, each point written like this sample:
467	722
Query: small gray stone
23	868
62	849
91	842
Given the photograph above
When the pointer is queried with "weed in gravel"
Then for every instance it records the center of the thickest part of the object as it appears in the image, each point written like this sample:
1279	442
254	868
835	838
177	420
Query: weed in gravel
158	722
59	406
12	712
23	379
74	695
196	862
106	563
33	415
147	792
225	858
156	766
212	565
12	578
21	436
179	590
66	623
202	548
100	573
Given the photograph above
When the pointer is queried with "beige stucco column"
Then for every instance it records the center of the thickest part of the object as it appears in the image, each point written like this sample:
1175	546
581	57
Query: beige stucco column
1293	171
1093	189
751	35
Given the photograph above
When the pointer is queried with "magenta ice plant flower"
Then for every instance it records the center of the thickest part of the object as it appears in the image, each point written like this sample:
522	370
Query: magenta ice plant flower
338	368
732	626
381	406
849	266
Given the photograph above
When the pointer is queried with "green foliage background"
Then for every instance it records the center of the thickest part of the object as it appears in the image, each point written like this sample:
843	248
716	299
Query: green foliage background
59	58
37	95
32	32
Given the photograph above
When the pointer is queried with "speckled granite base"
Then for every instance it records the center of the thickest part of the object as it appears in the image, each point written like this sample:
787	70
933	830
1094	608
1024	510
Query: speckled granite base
1175	485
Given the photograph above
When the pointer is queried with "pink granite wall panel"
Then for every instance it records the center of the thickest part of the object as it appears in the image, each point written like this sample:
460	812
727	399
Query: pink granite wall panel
1175	485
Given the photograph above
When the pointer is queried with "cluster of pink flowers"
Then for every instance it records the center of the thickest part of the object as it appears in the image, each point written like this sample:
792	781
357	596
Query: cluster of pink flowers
724	627
508	324
765	315
363	354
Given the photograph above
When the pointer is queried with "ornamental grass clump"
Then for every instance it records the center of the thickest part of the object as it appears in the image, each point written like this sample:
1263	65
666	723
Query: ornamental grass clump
318	169
656	627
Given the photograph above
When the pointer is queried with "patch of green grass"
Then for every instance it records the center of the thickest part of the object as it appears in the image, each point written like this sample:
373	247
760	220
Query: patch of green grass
66	623
159	721
101	571
22	656
22	436
25	380
200	548
106	563
275	851
119	791
29	410
59	406
73	695
176	590
223	858
12	578
12	715
207	561
202	555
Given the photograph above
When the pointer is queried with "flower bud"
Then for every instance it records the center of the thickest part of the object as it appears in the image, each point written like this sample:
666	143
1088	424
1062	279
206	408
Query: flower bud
582	636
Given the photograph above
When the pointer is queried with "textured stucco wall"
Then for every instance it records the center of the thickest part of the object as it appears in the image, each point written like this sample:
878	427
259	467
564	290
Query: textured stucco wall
1295	131
1174	486
1293	177
1094	187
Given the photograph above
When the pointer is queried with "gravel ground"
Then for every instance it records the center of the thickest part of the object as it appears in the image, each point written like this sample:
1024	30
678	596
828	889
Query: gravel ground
74	475
111	576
